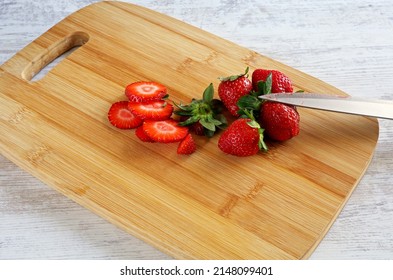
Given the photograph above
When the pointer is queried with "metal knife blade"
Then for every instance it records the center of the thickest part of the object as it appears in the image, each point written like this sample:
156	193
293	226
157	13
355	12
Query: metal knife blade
349	105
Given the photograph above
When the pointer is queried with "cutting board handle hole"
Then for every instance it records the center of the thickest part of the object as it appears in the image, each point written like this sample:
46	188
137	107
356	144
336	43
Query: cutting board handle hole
53	55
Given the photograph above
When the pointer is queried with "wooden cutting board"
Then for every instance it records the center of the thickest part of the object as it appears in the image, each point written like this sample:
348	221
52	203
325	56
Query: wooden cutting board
275	205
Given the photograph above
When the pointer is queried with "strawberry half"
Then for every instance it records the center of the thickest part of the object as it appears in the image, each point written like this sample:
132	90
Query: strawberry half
186	146
165	131
153	110
121	117
145	91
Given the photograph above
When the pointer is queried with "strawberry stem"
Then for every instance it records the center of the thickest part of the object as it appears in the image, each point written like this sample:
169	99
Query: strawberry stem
208	93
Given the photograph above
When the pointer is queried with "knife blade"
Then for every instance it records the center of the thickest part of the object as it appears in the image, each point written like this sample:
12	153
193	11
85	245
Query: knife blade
343	104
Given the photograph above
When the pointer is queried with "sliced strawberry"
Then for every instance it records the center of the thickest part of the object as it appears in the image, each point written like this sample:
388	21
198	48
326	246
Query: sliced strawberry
145	91
153	110
186	146
165	131
140	133
120	116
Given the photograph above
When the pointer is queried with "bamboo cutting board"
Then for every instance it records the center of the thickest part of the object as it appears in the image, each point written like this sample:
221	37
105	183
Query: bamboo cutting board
276	205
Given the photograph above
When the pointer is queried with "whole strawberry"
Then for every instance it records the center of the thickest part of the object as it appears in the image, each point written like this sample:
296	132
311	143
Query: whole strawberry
232	88
242	138
280	121
280	82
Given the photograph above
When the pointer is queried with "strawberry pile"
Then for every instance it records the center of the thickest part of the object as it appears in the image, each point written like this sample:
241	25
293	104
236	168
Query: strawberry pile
155	120
280	122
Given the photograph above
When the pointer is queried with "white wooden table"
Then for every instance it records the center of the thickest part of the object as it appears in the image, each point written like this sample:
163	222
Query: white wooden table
348	44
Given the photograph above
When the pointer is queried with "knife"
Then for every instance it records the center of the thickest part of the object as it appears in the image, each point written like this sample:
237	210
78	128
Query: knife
343	104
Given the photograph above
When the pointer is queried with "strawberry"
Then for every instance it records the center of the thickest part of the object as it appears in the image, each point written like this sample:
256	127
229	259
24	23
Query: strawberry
280	82
153	110
232	88
165	131
121	117
145	91
140	133
243	137
280	121
186	146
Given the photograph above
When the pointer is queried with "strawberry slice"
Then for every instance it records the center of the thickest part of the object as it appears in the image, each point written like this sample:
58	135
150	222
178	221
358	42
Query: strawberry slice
140	133
186	146
153	110
145	91
121	117
165	131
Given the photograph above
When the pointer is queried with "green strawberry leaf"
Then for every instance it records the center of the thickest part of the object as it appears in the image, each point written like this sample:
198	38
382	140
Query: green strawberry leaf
249	102
208	133
190	120
254	124
208	93
206	111
183	113
222	119
261	144
234	77
208	125
265	87
187	108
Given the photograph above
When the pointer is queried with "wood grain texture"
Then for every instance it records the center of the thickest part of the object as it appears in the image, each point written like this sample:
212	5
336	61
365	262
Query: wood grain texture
35	155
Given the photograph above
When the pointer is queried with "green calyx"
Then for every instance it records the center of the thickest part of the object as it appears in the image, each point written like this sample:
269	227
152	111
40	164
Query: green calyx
251	102
234	77
207	111
254	124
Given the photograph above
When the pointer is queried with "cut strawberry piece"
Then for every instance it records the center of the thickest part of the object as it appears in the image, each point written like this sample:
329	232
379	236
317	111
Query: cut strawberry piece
165	131
140	133
121	117
145	91
186	146
153	110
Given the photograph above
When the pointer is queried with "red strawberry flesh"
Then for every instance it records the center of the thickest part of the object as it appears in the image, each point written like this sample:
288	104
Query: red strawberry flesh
120	117
140	133
153	110
165	131
145	91
186	146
